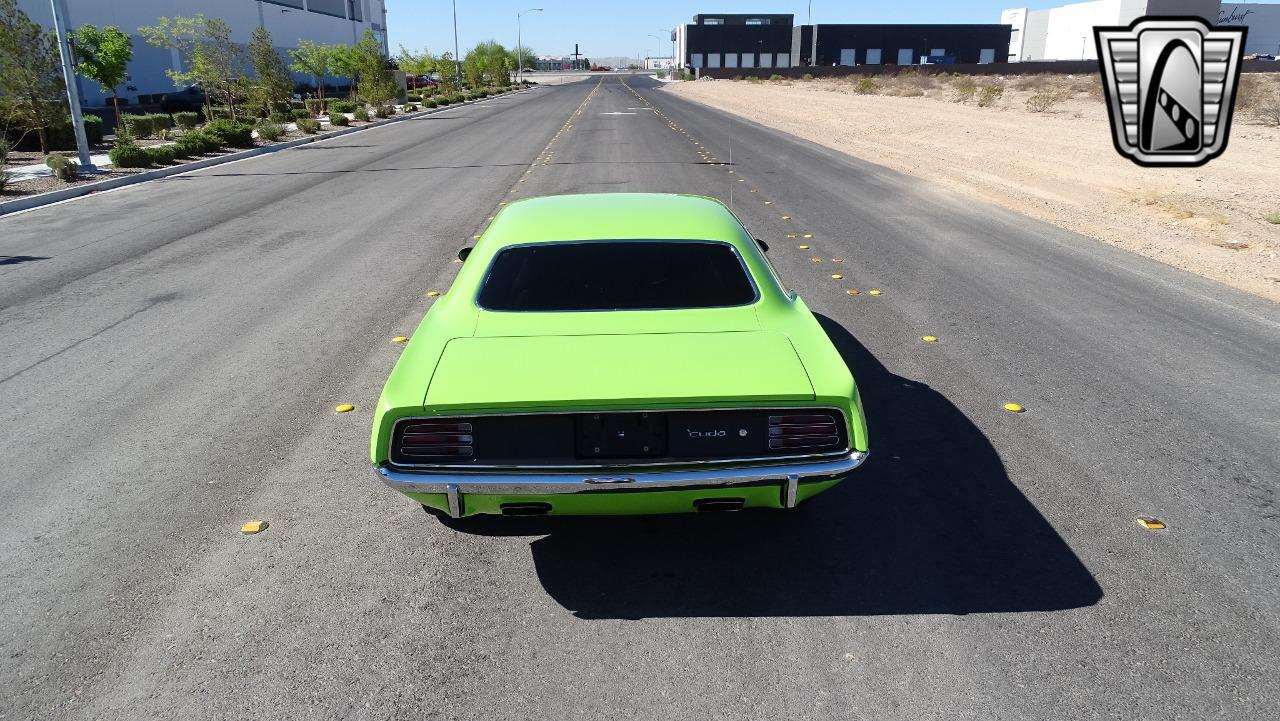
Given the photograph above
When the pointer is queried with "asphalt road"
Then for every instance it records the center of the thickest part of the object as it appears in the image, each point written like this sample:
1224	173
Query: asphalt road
171	355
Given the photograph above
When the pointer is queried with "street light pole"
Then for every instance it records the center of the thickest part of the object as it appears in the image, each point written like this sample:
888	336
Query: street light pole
457	61
69	76
520	44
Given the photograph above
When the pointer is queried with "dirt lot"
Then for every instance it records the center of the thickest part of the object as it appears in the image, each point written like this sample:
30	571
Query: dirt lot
1058	164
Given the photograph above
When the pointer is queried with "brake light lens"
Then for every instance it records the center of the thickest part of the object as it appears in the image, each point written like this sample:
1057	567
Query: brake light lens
803	432
445	440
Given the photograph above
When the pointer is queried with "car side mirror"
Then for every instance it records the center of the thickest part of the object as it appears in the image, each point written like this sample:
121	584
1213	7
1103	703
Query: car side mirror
763	245
464	254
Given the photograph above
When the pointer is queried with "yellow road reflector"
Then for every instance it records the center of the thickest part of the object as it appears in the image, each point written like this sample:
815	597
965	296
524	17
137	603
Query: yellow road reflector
740	180
502	202
853	291
475	237
929	338
1151	524
253	527
754	190
433	294
786	217
808	235
400	339
836	276
816	260
876	291
804	247
345	408
791	235
1014	408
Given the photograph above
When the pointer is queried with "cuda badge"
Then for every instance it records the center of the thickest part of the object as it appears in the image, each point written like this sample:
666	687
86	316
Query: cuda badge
708	434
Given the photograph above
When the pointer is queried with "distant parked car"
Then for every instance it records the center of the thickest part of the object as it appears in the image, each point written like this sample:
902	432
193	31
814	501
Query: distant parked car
421	81
188	99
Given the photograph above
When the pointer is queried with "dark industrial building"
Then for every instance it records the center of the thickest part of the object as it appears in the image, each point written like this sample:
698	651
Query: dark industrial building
775	41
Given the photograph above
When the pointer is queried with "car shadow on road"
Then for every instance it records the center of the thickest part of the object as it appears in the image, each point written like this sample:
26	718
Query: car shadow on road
930	524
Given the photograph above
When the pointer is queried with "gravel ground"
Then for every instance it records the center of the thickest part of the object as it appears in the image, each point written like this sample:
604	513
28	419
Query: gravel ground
1059	166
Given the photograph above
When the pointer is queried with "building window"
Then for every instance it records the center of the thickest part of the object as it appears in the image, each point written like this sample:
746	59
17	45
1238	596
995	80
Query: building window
695	60
336	8
713	60
356	13
759	21
938	51
904	56
783	61
873	56
748	60
987	55
713	21
731	60
847	56
287	3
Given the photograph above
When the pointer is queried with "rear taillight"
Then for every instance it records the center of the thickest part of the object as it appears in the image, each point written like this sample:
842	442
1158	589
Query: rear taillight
801	432
444	440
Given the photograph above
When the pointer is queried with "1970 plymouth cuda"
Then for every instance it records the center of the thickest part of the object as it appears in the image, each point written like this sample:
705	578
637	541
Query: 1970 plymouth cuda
617	354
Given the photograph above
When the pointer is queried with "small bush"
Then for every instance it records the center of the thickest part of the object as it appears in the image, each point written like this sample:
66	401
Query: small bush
139	126
775	77
867	86
310	126
161	154
187	120
199	142
270	132
1273	218
342	106
444	100
93	128
314	106
63	168
410	107
361	114
807	76
231	133
301	114
1042	101
127	154
413	98
280	118
160	121
990	94
429	103
339	119
181	151
963	88
384	111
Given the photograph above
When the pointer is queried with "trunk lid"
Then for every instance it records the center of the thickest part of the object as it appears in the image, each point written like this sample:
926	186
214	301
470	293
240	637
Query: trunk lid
603	371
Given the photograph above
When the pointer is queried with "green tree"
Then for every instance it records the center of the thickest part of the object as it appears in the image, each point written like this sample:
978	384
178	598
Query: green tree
344	63
210	58
448	71
316	60
529	57
423	63
272	84
488	62
31	88
374	79
103	56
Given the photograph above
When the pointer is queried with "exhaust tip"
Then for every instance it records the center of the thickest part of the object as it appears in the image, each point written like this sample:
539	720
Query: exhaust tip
525	509
719	505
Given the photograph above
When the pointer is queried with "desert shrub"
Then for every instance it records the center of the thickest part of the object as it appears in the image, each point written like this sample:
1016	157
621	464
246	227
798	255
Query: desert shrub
866	86
339	120
160	121
63	168
314	106
754	79
126	153
963	89
342	106
361	114
270	132
180	151
807	76
231	133
139	126
444	100
280	118
1039	81
430	103
1273	218
301	114
161	154
384	111
1265	104
309	126
199	142
775	77
1042	101
661	74
990	94
736	78
910	92
410	107
187	119
413	98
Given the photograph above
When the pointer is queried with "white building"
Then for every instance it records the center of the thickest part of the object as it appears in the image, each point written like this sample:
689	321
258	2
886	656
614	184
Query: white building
1066	32
659	63
323	21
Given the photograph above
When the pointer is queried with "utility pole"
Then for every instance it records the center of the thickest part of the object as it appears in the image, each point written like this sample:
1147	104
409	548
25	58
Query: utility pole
520	44
69	76
457	61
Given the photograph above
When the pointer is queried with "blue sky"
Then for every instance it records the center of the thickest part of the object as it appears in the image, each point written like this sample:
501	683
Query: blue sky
605	28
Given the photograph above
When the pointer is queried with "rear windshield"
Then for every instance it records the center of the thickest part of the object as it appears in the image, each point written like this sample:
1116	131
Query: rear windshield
618	275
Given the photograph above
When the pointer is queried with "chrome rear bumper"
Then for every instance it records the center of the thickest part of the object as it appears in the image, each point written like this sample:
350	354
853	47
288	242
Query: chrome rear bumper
456	483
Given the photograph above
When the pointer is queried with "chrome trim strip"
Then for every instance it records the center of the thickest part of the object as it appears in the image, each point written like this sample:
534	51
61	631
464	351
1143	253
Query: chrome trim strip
457	484
781	458
791	491
455	500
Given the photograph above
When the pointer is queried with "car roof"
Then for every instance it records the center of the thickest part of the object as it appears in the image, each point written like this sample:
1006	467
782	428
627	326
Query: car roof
614	216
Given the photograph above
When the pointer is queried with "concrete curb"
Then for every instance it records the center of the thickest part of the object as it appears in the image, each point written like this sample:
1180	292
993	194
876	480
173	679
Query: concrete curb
35	201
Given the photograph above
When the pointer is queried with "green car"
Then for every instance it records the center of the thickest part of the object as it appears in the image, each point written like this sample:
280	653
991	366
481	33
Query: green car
617	354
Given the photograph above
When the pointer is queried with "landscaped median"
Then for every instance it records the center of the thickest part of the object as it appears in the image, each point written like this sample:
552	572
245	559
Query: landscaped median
193	147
